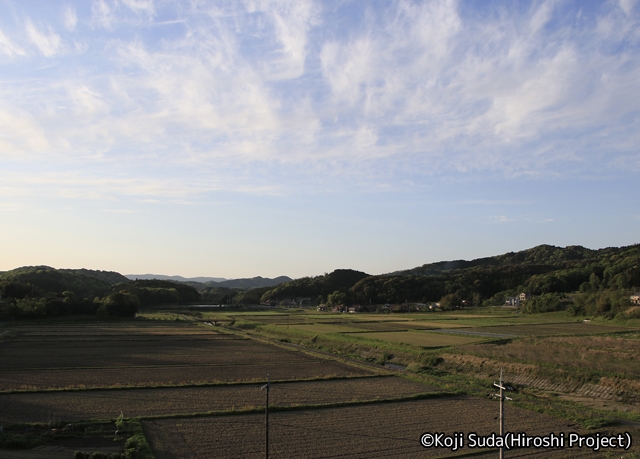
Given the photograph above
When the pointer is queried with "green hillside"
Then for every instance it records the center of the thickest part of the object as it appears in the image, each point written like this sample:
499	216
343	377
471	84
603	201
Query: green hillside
583	280
47	281
313	287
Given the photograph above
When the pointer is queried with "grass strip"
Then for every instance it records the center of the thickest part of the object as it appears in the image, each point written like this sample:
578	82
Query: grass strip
317	406
188	385
138	440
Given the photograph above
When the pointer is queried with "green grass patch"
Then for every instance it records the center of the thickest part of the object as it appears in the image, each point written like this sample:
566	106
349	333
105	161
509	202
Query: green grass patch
324	328
423	338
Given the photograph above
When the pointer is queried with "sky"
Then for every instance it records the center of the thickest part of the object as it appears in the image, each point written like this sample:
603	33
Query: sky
265	138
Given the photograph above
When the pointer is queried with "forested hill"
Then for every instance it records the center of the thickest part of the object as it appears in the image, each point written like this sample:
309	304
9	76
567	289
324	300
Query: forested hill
601	279
42	280
598	281
547	255
314	287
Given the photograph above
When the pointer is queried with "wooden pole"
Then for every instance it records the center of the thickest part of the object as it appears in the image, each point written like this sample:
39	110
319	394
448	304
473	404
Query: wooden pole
501	413
266	420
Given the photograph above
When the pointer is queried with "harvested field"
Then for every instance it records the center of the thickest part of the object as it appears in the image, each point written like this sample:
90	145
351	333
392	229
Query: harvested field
372	431
573	328
578	353
325	328
83	405
16	355
421	338
115	330
407	325
172	375
148	359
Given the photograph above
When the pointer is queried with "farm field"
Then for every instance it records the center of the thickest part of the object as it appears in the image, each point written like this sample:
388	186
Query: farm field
139	330
193	383
107	404
73	360
325	328
391	430
603	355
575	328
110	354
421	338
405	325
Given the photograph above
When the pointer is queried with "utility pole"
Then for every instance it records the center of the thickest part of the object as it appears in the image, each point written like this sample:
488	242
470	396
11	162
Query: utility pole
266	417
502	398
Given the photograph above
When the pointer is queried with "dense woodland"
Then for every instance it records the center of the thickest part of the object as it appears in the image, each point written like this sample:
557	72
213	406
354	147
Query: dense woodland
584	281
580	280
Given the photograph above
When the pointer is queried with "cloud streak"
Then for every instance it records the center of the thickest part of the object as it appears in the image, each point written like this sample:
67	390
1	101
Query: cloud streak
313	94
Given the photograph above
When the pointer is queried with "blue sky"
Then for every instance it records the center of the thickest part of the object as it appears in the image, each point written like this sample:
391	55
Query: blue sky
246	138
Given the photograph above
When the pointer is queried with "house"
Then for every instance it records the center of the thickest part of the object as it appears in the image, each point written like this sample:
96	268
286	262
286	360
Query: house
338	308
512	301
355	308
516	300
635	299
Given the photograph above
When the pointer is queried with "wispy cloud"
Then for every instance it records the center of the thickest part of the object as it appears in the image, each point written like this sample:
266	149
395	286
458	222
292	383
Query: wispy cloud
70	18
48	43
312	94
8	48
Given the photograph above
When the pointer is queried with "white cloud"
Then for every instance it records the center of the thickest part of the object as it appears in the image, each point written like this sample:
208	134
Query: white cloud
285	30
47	43
398	91
70	18
627	6
8	48
20	135
139	5
103	14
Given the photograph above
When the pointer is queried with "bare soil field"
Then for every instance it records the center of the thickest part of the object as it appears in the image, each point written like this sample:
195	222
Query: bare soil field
389	430
107	404
172	375
16	355
115	329
44	362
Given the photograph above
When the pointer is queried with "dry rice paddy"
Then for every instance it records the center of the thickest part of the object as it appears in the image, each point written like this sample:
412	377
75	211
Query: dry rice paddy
391	430
106	404
421	338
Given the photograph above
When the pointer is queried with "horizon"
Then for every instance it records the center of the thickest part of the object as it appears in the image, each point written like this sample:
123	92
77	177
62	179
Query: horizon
223	279
258	138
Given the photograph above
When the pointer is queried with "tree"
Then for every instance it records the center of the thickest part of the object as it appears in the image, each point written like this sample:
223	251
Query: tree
28	307
544	303
122	304
336	297
450	301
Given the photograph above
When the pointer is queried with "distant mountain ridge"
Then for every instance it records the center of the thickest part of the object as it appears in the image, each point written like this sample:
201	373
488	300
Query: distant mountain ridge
202	280
254	282
244	283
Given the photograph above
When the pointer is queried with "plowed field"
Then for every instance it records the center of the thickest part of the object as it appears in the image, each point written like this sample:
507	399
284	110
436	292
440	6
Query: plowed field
40	407
75	360
390	430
